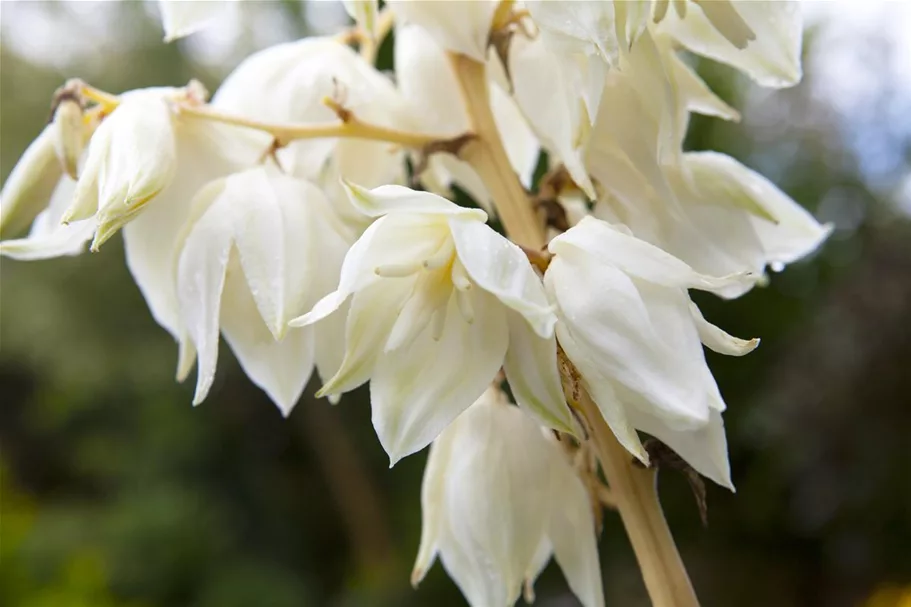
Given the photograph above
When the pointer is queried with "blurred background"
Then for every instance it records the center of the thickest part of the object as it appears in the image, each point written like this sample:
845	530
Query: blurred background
114	491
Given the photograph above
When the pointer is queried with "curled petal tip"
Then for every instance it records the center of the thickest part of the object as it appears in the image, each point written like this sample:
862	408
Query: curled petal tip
417	574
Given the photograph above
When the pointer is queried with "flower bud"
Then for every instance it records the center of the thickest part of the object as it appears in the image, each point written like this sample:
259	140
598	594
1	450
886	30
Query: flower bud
131	158
626	321
69	135
29	186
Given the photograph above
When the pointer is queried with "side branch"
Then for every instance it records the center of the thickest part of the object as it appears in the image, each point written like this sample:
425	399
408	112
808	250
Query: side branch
349	127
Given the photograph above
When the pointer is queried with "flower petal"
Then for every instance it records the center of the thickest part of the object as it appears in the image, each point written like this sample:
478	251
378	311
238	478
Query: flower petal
533	376
371	317
499	266
417	391
399	199
280	367
201	270
705	449
636	257
772	59
460	27
551	105
30	186
181	18
572	533
433	511
717	340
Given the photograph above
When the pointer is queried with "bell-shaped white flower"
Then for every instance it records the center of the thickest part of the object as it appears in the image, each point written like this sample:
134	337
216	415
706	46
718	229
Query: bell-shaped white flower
207	151
437	296
627	323
131	158
549	99
760	37
181	18
29	185
460	27
498	500
260	248
288	83
428	84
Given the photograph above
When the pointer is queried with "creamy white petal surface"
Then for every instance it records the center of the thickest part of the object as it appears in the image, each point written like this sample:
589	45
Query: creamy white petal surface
460	27
498	498
49	238
250	261
771	59
627	323
181	18
28	188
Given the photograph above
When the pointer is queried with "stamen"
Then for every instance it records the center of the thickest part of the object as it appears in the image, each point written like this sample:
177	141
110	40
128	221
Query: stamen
463	299
438	323
460	277
397	270
441	257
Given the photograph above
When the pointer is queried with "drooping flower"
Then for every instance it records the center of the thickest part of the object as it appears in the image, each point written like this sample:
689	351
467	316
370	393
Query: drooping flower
437	297
627	323
132	157
259	249
205	150
289	83
498	500
428	84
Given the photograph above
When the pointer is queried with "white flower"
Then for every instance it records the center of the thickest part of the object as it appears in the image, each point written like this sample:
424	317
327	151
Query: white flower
723	218
260	248
181	18
460	27
29	186
131	158
428	84
550	101
627	323
206	151
436	298
498	499
759	37
288	83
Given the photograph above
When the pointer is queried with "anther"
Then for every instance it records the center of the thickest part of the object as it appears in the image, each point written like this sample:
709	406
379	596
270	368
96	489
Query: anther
463	299
441	257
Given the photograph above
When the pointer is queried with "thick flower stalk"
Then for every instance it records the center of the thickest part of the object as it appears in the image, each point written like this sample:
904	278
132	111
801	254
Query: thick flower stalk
279	216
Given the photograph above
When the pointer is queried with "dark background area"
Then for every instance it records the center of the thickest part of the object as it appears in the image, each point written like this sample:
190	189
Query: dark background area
114	491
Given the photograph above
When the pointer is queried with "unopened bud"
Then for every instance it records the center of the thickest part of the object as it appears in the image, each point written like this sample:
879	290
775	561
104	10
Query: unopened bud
69	133
27	190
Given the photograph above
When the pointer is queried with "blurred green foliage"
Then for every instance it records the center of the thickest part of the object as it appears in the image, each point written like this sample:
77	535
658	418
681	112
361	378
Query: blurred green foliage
115	492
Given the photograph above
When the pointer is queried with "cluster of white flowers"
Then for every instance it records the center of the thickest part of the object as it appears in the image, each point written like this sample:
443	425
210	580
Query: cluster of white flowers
280	216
